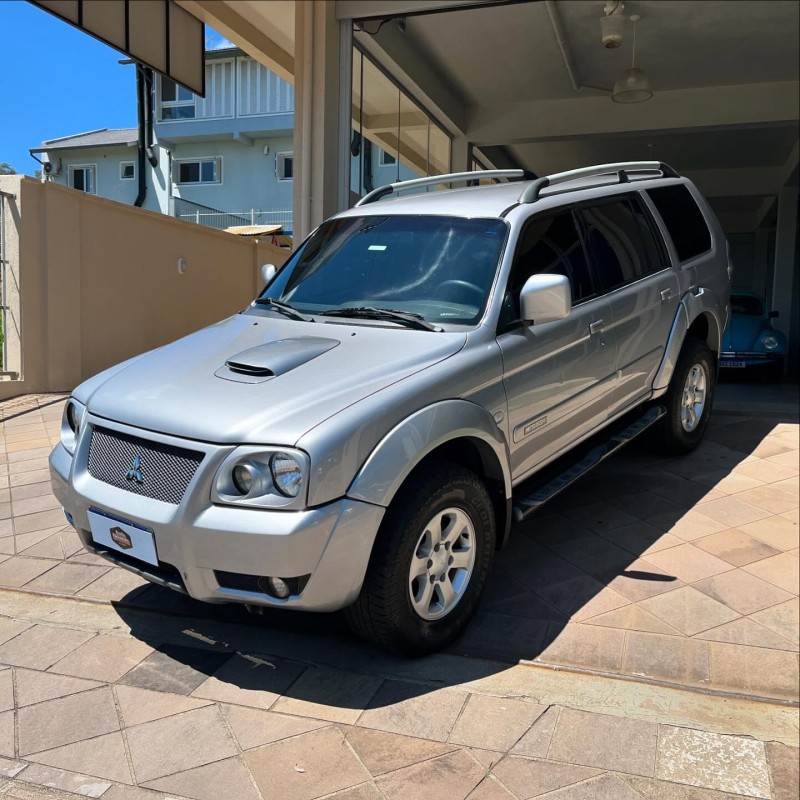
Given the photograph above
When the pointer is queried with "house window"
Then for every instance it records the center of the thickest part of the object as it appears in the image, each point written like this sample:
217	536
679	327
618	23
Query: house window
127	170
386	159
177	102
201	170
284	166
83	178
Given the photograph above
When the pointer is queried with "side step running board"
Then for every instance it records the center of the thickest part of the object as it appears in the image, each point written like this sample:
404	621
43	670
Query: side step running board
600	450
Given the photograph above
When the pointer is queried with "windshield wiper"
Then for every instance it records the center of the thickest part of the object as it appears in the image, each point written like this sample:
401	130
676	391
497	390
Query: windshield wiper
369	312
283	308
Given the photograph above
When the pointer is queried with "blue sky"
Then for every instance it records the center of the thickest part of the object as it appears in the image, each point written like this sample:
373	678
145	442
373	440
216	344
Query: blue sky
56	81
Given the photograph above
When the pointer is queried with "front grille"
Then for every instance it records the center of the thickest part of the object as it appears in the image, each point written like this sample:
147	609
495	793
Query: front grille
165	471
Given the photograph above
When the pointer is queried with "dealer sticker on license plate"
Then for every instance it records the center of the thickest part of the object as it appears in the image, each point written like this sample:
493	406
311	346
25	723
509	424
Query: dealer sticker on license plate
123	536
730	362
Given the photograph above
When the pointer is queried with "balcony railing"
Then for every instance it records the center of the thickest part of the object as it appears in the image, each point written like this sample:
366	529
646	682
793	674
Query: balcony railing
229	219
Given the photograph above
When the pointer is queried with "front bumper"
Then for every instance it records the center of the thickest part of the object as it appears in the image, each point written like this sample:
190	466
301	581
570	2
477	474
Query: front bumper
196	540
733	360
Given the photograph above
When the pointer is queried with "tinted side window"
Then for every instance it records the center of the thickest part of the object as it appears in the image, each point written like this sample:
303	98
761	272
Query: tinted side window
684	220
549	245
615	243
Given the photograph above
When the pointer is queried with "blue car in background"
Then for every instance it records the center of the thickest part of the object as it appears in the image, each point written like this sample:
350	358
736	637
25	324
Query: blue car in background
750	343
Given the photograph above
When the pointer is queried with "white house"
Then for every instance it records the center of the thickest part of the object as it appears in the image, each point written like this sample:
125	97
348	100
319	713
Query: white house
222	160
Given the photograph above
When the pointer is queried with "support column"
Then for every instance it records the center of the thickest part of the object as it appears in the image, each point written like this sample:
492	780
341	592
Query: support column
322	89
460	154
785	275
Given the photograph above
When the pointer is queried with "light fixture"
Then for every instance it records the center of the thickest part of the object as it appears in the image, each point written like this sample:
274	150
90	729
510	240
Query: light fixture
633	86
612	24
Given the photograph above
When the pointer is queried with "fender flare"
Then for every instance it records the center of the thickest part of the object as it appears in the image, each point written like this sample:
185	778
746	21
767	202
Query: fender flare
409	442
692	305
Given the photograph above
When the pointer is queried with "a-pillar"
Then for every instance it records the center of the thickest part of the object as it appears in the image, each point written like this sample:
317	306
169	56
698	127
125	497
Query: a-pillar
785	279
323	63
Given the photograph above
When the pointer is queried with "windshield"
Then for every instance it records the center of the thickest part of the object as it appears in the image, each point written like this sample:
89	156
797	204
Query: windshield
746	304
440	268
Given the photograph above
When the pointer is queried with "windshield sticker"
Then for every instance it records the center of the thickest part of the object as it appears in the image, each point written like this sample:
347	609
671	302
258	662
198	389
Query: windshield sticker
377	247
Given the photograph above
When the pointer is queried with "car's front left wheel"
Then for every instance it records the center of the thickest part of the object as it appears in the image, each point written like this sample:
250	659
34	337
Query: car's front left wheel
429	563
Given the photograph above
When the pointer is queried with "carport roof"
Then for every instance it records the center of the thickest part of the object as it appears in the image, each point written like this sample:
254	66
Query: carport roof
102	137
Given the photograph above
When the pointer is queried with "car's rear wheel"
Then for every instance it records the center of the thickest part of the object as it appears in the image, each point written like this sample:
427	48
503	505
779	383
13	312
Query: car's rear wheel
687	401
429	562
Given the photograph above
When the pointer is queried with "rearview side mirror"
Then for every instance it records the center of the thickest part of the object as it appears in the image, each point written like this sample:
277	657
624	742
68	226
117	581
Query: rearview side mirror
268	272
545	298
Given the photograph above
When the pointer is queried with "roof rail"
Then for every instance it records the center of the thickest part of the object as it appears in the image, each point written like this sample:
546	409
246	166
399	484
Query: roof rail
453	177
532	192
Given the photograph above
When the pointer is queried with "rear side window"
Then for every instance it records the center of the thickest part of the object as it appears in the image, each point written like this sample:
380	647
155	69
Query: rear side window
685	222
620	254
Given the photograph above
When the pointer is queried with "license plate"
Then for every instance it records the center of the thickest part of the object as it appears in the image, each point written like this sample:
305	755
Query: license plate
729	362
123	536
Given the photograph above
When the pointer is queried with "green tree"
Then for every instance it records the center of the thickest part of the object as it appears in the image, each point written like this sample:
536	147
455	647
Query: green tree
6	168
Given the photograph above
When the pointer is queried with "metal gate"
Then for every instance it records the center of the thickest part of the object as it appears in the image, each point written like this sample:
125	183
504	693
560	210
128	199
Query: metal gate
4	196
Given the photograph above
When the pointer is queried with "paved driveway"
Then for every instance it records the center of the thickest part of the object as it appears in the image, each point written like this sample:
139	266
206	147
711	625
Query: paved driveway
681	574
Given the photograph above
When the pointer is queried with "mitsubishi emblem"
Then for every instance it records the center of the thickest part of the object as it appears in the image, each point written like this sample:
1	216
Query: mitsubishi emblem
135	472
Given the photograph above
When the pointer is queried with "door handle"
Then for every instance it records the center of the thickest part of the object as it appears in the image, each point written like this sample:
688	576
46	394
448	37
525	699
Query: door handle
667	294
596	326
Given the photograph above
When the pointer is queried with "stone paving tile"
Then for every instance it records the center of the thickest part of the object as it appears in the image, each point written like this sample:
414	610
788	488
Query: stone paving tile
176	669
640	580
50	547
30	490
6	690
503	636
727	763
104	658
17	571
66	578
688	610
83	785
783	619
327	763
582	597
603	787
55	723
494	723
453	776
34	686
736	547
228	778
329	694
38	521
732	511
178	743
102	756
7	734
34	475
25	541
253	727
669	658
44	502
766	471
41	646
688	563
641	538
256	682
381	752
536	742
633	618
410	709
728	482
781	571
528	777
742	591
767	673
490	789
113	585
582	645
650	789
138	706
783	767
595	555
690	526
9	628
772	499
747	632
609	743
776	531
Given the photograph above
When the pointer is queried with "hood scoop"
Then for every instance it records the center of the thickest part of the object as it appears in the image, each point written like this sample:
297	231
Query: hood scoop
271	360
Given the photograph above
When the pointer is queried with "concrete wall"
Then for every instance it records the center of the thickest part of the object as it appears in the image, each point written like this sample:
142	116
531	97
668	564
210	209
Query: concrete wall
99	281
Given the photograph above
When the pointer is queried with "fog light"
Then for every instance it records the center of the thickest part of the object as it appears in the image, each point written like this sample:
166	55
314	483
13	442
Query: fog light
278	587
242	477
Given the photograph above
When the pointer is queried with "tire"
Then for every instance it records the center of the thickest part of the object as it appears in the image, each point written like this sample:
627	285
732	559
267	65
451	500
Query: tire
684	425
414	616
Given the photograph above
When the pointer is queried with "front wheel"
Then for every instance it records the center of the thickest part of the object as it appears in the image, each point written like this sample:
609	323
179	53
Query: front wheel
688	400
429	563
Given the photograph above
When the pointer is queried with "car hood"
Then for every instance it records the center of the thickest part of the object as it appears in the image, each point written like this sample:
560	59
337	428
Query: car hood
741	333
260	380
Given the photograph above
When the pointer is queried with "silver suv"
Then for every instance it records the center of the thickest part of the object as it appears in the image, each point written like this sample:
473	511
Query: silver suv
421	372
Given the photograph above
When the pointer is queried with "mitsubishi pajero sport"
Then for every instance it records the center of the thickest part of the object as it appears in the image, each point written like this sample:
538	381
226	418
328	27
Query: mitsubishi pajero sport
420	373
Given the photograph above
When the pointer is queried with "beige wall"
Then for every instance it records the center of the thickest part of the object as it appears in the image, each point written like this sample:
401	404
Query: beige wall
99	281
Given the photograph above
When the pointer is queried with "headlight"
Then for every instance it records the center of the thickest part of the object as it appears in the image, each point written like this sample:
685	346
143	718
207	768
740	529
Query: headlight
71	423
287	474
265	478
769	342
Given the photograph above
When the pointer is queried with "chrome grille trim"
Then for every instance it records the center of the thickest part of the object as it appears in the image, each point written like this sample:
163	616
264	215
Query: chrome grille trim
166	470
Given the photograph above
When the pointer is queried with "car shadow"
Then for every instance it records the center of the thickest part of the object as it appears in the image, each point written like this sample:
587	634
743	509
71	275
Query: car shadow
582	558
